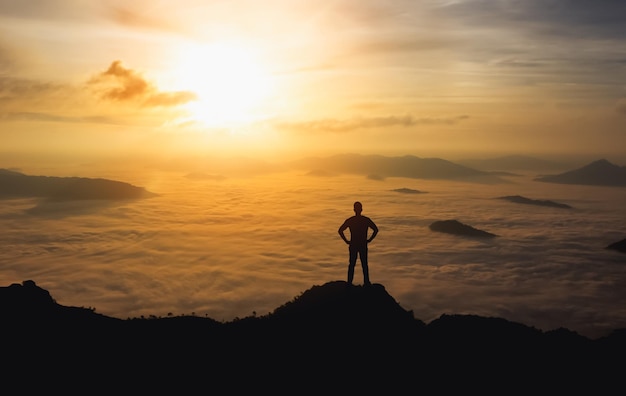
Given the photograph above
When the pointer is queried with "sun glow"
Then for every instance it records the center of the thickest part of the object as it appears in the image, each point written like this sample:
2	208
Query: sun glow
231	84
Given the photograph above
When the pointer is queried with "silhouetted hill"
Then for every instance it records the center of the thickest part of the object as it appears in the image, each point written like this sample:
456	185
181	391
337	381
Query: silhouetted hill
455	227
332	338
597	173
539	202
15	184
405	166
513	163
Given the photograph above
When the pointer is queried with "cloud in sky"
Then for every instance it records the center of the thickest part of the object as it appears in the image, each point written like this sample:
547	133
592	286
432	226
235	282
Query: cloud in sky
552	70
122	84
15	90
340	126
26	116
138	18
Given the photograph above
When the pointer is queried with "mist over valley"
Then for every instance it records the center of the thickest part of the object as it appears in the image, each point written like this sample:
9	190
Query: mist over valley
224	245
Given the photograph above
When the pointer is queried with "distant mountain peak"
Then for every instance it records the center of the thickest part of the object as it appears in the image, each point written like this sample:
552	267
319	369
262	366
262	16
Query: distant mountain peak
408	166
598	173
601	163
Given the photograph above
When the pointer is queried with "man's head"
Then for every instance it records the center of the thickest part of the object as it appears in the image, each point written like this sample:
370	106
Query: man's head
358	208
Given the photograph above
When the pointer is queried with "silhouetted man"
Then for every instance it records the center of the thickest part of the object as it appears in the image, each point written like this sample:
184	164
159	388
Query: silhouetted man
359	227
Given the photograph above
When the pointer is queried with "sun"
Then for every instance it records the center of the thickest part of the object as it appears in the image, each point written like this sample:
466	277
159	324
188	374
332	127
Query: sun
230	82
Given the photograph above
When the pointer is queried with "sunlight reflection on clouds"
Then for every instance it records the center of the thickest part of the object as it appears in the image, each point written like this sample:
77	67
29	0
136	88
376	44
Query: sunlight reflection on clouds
226	248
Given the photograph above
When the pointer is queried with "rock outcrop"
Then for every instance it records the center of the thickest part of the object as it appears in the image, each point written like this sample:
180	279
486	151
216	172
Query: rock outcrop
455	227
539	202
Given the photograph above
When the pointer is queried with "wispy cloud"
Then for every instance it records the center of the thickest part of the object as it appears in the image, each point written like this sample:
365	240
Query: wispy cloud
12	88
34	116
563	18
354	124
137	17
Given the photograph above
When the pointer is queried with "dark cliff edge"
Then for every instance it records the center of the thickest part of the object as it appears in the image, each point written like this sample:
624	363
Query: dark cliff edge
331	338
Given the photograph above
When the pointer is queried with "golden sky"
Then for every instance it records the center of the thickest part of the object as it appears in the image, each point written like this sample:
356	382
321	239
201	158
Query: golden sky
285	78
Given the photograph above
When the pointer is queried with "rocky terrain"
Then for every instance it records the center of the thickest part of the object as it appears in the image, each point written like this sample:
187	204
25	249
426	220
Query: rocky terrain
331	338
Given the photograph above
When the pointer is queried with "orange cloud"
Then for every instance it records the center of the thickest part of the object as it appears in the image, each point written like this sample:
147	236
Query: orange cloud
120	84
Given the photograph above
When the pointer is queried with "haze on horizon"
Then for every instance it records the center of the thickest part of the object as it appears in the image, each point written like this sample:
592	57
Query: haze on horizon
284	79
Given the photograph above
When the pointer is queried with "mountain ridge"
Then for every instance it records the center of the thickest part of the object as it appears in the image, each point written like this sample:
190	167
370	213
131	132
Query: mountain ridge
337	300
55	188
409	166
332	336
512	163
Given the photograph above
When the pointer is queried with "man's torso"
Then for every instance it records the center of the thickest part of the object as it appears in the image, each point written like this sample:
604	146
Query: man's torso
358	226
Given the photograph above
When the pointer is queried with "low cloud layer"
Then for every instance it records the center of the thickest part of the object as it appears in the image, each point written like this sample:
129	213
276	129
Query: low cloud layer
227	248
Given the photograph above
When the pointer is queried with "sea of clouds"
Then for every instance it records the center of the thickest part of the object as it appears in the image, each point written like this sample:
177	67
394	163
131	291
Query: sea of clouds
240	246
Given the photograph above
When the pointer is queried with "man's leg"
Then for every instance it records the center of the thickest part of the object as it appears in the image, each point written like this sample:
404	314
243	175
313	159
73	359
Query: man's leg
351	264
364	264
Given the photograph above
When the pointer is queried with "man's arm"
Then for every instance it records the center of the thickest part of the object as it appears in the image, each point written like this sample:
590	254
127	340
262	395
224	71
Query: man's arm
341	234
375	231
